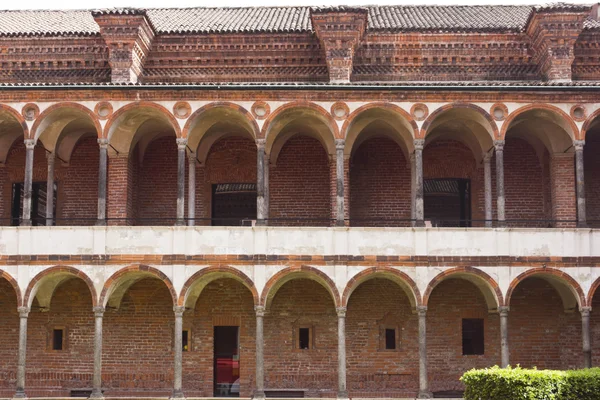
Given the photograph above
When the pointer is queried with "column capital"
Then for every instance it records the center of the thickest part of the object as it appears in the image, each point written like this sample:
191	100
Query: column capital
340	144
585	311
192	157
487	157
181	143
578	144
260	311
419	144
499	145
23	312
260	143
103	143
178	310
503	311
29	143
50	156
98	311
422	310
341	312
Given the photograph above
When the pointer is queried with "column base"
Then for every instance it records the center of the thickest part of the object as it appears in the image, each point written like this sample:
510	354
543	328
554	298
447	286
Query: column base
97	394
342	396
180	222
177	395
20	394
25	222
340	223
425	395
261	222
259	396
101	222
419	223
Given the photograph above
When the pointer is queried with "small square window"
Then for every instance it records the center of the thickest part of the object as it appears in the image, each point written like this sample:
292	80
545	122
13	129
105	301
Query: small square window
472	336
390	339
304	338
185	340
58	336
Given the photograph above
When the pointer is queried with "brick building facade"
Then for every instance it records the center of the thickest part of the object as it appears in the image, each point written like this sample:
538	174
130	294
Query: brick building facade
349	202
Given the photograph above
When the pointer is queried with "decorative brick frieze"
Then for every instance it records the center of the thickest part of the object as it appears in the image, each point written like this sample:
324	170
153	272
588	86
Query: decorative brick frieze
340	31
129	37
553	32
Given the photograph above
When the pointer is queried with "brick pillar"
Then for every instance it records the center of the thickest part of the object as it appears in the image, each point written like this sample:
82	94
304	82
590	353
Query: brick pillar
562	181
118	190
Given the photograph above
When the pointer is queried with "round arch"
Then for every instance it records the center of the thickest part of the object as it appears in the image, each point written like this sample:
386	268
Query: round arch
303	272
62	125
592	121
487	285
117	285
473	118
397	120
569	290
44	284
13	127
545	117
286	121
592	292
122	127
400	278
196	283
15	286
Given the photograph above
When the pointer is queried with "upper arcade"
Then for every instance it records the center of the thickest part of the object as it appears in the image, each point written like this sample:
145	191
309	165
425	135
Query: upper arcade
555	43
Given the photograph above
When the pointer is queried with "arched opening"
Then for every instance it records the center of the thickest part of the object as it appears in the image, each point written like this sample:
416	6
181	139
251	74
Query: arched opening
301	149
456	140
539	175
9	332
592	172
378	144
381	331
544	326
594	302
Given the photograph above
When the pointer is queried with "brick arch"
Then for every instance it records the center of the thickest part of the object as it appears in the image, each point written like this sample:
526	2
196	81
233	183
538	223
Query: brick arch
14	284
18	117
222	104
403	280
592	292
552	276
136	272
65	105
41	278
488	286
333	127
588	123
210	274
290	273
459	105
575	134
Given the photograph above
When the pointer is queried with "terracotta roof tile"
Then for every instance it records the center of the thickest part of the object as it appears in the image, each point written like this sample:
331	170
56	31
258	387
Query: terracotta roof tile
47	22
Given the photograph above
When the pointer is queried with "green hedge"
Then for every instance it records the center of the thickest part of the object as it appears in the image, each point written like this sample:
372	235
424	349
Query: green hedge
531	384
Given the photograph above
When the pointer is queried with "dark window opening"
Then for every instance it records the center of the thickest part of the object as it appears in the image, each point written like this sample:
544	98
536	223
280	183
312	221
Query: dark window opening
57	339
226	361
233	204
304	338
447	202
472	336
38	203
390	339
185	337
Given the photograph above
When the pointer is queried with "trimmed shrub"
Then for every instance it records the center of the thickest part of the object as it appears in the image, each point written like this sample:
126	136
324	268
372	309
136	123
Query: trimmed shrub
531	384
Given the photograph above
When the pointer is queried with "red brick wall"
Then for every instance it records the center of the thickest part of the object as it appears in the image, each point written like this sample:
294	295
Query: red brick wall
157	183
300	183
450	302
373	371
301	302
562	178
137	357
380	185
224	302
77	195
595	329
592	178
54	373
119	182
540	333
9	338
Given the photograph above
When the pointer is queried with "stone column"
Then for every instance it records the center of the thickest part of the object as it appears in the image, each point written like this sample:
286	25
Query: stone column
50	190
97	380
504	349
181	146
412	189
260	182
266	189
102	174
342	390
499	146
487	173
419	204
424	392
28	182
580	176
178	350
340	144
23	314
259	393
585	331
191	189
